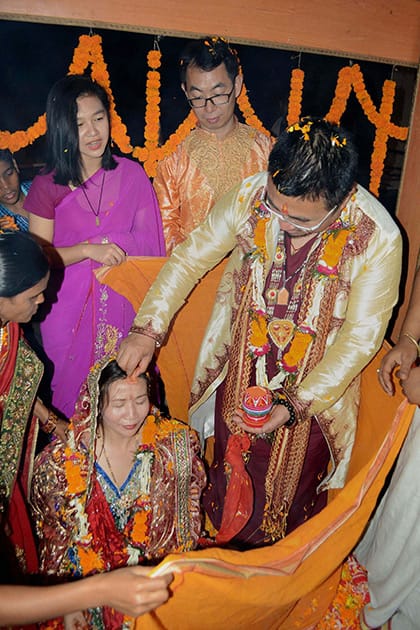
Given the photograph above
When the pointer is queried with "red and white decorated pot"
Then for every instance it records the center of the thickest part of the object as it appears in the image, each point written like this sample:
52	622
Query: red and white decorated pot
257	403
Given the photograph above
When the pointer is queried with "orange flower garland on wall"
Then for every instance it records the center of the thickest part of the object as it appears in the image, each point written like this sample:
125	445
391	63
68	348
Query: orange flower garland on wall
295	96
89	51
351	77
247	110
341	96
14	141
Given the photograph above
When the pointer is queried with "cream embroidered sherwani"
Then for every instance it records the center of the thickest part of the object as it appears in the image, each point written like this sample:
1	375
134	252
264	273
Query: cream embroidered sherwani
367	292
203	168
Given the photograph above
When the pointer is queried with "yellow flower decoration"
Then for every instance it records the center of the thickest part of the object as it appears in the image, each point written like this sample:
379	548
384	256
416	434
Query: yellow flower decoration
247	110
258	336
141	527
259	237
76	480
292	359
304	129
335	243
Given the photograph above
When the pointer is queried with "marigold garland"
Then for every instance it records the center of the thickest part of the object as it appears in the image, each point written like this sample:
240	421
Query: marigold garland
380	143
90	561
89	51
14	141
141	524
295	96
247	110
259	234
335	242
292	359
351	77
341	96
258	334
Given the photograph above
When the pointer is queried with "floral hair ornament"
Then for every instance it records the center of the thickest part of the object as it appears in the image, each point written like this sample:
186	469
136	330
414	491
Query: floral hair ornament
303	128
213	41
210	46
336	142
8	224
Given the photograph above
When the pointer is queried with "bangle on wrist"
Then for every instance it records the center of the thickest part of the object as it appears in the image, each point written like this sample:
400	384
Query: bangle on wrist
138	330
412	339
280	399
50	423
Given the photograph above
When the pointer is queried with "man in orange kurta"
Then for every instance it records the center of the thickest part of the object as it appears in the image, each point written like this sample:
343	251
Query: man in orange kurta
219	153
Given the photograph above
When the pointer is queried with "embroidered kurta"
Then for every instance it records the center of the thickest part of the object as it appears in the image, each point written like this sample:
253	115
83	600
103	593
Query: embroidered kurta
203	168
368	291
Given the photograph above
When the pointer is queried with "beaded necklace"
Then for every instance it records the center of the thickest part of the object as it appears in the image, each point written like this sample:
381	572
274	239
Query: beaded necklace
97	210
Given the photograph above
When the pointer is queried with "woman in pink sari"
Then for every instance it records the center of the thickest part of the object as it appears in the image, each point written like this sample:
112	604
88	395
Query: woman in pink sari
96	209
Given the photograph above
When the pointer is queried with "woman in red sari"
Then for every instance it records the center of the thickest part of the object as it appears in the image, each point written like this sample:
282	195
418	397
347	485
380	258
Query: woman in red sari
124	489
24	273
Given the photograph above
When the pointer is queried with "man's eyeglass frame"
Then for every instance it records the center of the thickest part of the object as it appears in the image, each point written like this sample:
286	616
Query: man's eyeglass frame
285	218
226	97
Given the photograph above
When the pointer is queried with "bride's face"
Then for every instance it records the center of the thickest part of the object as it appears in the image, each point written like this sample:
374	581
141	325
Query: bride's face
126	407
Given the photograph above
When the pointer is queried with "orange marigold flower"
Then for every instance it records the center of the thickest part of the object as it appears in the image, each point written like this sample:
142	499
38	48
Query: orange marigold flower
297	350
258	330
149	430
153	58
334	247
89	560
140	527
295	96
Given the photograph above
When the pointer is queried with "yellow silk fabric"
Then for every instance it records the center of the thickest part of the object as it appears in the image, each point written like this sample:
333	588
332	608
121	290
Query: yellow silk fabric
369	281
291	584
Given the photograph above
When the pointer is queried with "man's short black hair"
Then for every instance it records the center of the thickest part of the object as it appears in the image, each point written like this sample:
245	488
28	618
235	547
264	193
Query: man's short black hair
207	54
314	159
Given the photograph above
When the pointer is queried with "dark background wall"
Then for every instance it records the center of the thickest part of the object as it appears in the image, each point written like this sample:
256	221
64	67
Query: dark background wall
34	56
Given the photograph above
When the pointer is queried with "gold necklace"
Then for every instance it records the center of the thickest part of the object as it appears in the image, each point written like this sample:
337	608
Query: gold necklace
109	465
107	459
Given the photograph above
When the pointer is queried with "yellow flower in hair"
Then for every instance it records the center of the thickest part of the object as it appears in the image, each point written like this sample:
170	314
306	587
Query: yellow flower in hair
336	142
304	129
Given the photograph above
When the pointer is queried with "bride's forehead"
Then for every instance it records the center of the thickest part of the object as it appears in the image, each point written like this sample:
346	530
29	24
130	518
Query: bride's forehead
123	388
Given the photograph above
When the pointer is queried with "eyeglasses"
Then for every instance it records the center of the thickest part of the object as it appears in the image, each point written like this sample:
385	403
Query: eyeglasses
298	226
217	99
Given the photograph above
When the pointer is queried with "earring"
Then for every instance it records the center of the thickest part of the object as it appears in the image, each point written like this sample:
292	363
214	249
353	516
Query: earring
65	150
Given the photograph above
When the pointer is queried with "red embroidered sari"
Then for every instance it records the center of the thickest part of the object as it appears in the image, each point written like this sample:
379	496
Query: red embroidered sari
20	373
87	525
